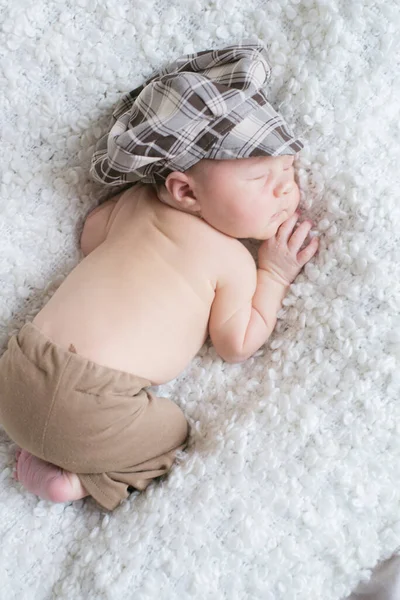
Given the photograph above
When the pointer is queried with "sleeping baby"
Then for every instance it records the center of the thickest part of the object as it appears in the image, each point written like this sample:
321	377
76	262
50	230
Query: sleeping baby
211	162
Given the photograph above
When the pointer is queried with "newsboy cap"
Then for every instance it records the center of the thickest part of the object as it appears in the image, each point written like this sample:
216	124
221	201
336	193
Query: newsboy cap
212	104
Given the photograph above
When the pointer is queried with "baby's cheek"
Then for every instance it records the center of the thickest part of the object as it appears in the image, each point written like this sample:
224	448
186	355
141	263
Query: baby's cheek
244	211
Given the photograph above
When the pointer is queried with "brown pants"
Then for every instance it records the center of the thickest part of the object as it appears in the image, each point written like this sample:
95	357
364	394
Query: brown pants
88	419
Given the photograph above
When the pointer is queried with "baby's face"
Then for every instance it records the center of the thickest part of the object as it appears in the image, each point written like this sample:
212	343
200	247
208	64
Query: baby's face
247	197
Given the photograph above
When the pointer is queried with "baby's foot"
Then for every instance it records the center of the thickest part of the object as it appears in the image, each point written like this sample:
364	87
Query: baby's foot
46	480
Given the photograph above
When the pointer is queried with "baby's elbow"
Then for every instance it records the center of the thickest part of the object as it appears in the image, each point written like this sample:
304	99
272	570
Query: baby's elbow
230	348
234	356
235	360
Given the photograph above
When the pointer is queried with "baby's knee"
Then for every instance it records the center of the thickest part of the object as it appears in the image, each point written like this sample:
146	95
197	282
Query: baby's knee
172	421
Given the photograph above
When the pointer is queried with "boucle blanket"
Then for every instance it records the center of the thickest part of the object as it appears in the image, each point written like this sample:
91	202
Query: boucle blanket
290	487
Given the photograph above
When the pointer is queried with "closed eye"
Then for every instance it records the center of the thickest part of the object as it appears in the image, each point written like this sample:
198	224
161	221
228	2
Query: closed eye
264	175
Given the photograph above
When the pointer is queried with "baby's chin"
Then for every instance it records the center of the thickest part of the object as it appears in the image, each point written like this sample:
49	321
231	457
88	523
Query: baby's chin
270	230
266	235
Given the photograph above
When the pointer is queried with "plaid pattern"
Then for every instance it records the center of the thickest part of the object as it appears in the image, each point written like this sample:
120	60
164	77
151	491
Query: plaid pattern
205	105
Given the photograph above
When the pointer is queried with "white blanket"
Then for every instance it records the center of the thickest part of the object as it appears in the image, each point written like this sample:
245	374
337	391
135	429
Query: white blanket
290	488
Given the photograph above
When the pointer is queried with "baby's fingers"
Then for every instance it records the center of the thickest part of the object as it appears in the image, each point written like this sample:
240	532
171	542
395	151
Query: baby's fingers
298	236
305	255
286	228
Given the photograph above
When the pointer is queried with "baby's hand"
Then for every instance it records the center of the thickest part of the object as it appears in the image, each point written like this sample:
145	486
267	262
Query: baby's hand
280	255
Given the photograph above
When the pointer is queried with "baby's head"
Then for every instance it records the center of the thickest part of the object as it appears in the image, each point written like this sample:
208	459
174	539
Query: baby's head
243	198
203	132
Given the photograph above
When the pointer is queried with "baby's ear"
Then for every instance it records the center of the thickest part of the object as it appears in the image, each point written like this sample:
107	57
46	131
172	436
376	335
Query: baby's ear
181	192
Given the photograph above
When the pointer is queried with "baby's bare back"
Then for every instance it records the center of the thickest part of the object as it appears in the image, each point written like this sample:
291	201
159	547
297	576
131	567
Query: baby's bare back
140	302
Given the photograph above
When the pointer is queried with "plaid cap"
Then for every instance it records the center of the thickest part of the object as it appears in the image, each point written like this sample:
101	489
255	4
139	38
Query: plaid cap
205	105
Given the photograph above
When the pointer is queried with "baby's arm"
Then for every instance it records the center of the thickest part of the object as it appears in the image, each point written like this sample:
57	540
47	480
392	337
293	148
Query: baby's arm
243	314
96	225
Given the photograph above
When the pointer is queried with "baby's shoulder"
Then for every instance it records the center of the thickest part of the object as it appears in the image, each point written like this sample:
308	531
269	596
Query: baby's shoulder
228	257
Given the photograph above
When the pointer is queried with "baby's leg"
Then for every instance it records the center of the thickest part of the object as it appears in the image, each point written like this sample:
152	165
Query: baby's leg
46	480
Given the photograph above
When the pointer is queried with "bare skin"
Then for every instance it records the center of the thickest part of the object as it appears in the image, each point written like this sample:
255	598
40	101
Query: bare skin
47	481
155	272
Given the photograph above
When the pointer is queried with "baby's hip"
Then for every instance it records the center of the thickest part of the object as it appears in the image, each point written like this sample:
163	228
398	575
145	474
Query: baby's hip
51	398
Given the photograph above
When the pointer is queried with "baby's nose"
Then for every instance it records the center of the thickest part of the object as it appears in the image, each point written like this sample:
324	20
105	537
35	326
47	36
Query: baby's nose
283	188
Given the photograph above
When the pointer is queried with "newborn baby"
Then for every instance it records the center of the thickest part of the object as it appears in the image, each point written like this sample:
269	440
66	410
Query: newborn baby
163	269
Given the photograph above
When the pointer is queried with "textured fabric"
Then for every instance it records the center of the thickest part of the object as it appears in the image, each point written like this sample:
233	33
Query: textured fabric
290	486
86	418
212	104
